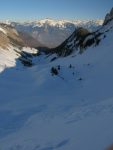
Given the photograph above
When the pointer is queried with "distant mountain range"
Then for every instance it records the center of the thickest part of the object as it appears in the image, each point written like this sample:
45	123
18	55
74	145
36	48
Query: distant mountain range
49	32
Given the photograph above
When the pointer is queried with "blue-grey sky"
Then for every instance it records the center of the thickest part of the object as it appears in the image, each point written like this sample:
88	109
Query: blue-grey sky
58	9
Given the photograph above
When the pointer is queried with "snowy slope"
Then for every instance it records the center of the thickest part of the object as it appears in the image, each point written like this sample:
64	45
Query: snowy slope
45	112
12	50
52	33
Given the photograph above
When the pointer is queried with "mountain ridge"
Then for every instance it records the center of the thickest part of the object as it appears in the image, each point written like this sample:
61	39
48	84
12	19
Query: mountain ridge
82	38
50	32
13	49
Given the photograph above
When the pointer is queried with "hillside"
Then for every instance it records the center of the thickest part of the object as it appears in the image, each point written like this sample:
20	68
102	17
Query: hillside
12	48
71	110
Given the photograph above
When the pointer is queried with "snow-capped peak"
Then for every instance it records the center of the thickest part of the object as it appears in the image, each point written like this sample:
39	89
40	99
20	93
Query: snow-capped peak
52	32
62	22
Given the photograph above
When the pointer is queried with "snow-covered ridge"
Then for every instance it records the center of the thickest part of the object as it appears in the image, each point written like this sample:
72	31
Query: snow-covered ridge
62	23
59	23
50	32
82	38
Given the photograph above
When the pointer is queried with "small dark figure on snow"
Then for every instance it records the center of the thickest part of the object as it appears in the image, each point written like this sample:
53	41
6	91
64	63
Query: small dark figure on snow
80	79
59	67
70	66
54	71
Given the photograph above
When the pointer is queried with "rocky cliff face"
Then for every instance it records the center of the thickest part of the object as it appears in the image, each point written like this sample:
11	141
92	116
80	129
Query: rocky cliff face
72	43
108	17
79	41
81	38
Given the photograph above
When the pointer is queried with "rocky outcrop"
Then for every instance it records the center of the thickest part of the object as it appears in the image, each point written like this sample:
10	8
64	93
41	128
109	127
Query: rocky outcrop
108	17
9	36
110	148
81	38
11	47
68	46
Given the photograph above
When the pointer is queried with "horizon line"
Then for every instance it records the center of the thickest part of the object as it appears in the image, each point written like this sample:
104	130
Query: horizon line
50	18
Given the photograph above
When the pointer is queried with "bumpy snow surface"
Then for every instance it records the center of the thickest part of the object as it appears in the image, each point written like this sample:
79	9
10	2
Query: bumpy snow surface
72	111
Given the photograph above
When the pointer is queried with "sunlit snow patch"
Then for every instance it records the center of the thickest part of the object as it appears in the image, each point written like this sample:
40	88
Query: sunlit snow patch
2	30
30	50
